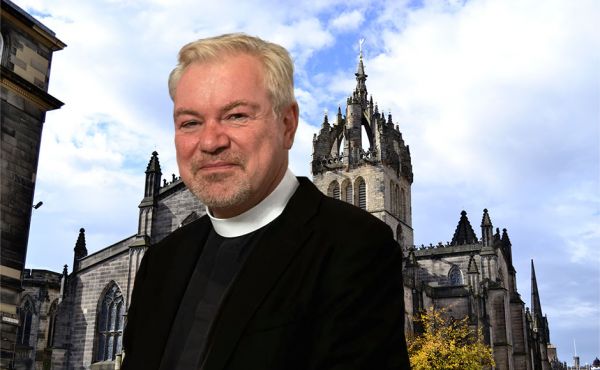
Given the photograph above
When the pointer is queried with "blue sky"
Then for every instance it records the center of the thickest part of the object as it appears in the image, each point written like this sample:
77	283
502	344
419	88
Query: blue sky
498	100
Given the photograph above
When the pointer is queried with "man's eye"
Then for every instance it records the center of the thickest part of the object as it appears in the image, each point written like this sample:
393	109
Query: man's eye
237	117
189	124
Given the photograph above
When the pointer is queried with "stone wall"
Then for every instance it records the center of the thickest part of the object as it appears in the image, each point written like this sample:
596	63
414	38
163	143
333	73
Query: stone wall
174	205
26	50
378	195
88	287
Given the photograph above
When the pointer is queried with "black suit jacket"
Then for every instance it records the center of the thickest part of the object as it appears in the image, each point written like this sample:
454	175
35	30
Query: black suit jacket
322	289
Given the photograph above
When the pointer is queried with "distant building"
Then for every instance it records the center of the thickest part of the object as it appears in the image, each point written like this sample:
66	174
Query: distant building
26	48
39	305
468	276
577	366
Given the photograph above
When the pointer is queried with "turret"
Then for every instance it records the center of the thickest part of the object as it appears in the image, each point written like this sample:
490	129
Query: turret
487	230
151	191
153	176
325	125
340	118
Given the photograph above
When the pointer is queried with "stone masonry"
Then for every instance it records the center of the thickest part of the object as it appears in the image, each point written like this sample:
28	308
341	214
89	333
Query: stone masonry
26	48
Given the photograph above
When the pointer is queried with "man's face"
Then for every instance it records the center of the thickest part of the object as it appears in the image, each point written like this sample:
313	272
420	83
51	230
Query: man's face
232	149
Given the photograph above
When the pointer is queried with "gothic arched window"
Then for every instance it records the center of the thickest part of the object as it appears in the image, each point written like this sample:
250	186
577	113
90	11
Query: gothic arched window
26	316
347	191
455	276
334	190
110	324
398	201
403	206
392	198
51	323
361	200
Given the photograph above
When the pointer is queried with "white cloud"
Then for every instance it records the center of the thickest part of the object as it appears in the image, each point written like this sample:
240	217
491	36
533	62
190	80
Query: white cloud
498	101
574	314
348	21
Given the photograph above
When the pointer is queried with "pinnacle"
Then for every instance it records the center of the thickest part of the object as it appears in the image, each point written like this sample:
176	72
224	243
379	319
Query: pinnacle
154	163
485	220
464	233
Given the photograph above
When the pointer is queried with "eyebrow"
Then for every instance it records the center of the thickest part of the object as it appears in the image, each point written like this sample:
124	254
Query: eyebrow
237	103
234	104
183	111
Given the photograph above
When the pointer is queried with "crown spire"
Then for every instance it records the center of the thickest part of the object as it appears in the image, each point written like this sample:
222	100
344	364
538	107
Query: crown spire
361	88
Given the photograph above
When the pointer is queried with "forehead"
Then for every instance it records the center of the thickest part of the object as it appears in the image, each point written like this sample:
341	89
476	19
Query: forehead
223	75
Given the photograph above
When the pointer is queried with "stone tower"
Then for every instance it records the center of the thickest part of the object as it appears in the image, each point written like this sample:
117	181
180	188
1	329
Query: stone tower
26	49
375	175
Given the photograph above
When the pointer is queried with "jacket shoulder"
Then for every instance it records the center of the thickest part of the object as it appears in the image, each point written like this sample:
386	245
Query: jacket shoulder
350	221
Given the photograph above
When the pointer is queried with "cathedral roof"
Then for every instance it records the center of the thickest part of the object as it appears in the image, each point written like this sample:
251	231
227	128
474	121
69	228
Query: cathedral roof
464	233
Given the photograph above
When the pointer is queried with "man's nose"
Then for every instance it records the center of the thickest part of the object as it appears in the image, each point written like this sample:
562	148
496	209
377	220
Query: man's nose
214	137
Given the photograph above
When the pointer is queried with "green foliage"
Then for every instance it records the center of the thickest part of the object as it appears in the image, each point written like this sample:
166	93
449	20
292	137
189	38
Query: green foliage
447	344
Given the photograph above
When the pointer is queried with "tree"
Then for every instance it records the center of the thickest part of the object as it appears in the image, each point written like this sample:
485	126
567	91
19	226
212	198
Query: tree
447	344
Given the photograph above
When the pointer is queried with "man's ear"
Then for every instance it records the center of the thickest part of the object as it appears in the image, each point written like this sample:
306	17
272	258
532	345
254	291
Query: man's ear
290	116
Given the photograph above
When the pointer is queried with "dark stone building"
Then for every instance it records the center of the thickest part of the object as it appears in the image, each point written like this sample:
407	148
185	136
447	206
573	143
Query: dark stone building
40	299
26	48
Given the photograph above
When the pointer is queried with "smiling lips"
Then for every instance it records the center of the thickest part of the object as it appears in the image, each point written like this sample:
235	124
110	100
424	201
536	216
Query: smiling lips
214	165
220	165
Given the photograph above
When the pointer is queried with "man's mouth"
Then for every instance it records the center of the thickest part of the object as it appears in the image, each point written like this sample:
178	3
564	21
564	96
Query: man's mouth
217	166
208	164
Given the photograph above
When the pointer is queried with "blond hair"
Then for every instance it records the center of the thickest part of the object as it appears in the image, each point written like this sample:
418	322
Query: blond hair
276	61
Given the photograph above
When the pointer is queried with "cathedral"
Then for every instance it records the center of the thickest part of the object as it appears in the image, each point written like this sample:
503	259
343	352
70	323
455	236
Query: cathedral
75	320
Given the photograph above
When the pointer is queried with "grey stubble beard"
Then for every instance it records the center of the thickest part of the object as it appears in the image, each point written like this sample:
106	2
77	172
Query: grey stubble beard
204	187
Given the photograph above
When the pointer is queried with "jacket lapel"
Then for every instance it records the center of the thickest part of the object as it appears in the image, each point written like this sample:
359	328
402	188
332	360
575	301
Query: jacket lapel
178	261
269	259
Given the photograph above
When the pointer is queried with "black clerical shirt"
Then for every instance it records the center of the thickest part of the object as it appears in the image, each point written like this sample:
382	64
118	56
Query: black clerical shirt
217	266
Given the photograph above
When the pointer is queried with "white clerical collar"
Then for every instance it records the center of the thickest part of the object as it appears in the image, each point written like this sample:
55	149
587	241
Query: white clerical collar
259	215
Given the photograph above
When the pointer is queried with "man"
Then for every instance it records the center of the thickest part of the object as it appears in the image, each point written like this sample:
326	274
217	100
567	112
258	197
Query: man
277	276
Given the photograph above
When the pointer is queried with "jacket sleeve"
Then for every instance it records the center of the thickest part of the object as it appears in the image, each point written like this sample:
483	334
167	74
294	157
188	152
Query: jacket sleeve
362	320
